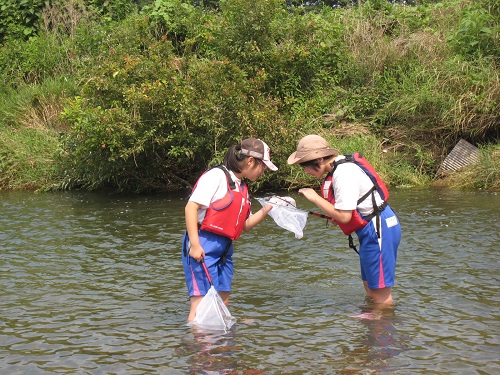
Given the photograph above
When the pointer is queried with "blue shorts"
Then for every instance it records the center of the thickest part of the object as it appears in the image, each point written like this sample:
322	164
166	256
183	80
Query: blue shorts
221	270
377	257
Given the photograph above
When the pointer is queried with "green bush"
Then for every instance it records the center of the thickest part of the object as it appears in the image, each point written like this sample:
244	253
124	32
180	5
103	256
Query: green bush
145	112
19	18
149	101
31	62
23	19
477	34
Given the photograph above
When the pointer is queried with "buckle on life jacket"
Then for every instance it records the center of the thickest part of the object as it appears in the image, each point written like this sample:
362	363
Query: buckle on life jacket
376	213
351	244
224	254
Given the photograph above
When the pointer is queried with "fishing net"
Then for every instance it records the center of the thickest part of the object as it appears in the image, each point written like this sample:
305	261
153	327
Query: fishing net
286	214
212	313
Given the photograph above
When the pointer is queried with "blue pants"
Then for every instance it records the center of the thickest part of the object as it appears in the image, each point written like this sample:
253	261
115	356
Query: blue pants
221	268
378	256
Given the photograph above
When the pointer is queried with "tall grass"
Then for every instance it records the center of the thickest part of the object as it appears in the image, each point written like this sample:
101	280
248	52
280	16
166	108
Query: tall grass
169	89
432	91
29	134
36	106
27	158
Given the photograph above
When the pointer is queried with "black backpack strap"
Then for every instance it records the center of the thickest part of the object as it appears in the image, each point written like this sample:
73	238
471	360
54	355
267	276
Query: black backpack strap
224	254
230	181
366	196
335	164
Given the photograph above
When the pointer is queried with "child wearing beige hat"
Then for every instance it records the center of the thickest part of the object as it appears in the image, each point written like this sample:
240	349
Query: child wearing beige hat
354	196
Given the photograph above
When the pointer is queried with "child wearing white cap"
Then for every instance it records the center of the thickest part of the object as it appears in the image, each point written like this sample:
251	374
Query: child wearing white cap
217	212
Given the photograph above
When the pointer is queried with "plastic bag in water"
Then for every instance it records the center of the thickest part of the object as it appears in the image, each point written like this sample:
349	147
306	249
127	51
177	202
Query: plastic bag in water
212	313
286	214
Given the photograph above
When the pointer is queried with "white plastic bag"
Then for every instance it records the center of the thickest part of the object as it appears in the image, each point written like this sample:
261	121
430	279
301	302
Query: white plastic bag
286	214
212	313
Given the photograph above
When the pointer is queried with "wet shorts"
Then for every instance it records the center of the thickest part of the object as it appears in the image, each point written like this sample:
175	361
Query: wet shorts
221	270
378	256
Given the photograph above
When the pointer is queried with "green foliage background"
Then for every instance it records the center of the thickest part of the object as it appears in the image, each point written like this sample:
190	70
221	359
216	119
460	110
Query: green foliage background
144	97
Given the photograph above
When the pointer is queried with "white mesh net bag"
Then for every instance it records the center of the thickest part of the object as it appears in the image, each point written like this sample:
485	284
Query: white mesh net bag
212	314
286	214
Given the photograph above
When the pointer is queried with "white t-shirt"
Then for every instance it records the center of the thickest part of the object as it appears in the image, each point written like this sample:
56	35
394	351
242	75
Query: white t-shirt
211	187
350	184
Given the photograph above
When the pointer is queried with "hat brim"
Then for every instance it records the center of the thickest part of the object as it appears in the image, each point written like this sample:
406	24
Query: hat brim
293	159
297	157
270	165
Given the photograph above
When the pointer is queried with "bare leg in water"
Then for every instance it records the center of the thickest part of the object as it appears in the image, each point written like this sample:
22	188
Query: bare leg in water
382	296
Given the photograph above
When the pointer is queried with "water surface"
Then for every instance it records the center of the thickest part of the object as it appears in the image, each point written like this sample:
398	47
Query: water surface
93	284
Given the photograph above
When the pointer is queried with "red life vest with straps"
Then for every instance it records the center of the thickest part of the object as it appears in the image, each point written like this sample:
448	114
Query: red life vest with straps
357	221
227	216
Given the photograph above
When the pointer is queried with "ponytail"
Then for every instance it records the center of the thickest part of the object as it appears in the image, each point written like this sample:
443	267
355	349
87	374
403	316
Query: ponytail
233	159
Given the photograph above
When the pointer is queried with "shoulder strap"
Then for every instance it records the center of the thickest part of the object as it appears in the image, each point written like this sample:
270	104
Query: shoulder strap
351	158
347	159
230	181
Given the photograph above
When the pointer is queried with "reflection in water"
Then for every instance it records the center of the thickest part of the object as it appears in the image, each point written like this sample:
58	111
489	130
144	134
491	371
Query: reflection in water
382	341
209	352
213	352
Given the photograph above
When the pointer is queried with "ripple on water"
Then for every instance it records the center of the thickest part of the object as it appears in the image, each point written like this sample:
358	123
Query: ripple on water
93	284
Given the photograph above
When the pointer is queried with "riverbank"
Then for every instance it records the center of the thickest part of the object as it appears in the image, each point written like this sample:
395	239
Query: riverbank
30	161
146	100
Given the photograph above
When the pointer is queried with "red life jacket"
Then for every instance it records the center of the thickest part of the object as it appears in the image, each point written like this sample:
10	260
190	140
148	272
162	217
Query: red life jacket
357	222
227	216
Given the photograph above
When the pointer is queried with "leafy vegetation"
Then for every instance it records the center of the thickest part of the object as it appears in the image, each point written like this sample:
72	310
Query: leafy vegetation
144	97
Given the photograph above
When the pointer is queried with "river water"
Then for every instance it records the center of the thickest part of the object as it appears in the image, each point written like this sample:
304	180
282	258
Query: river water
93	284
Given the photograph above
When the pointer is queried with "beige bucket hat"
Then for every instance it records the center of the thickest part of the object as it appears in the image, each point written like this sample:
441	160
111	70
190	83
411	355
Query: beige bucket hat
311	147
